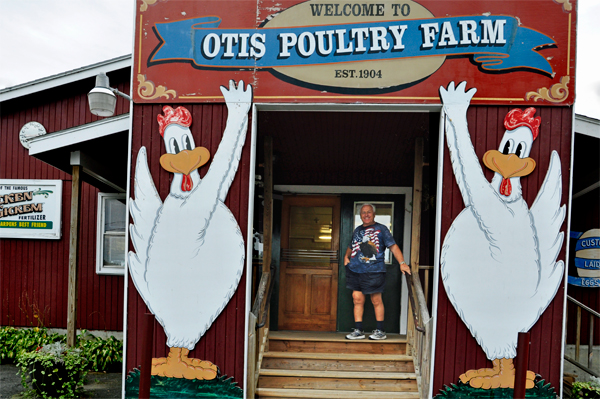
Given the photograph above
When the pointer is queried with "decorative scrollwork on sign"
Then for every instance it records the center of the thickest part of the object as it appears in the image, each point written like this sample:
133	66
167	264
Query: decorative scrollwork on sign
147	91
567	6
145	3
557	93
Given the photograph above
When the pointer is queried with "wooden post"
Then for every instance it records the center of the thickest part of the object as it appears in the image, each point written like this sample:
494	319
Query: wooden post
268	208
267	220
146	366
415	240
251	380
73	255
522	365
591	343
578	333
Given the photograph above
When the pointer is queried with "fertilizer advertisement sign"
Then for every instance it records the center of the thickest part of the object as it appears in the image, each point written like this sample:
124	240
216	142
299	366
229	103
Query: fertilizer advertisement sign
384	51
30	208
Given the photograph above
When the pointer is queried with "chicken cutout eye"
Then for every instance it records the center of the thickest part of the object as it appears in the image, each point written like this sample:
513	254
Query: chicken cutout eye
507	147
174	146
186	142
520	149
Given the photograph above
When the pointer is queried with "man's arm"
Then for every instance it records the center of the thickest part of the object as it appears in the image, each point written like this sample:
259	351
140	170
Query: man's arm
347	256
400	258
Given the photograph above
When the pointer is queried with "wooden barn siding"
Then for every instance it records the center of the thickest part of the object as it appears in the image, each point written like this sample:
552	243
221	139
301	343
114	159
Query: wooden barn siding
223	343
34	273
456	349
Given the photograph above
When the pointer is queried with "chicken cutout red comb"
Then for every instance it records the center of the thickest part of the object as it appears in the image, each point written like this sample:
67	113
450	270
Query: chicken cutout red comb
179	116
516	118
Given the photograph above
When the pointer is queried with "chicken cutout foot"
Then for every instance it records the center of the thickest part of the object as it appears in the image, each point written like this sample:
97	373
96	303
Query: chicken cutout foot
178	365
502	375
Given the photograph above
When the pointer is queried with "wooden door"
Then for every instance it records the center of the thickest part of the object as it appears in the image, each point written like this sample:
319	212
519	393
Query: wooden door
309	263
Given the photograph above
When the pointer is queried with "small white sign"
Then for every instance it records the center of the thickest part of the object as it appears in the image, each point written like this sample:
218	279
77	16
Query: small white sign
30	208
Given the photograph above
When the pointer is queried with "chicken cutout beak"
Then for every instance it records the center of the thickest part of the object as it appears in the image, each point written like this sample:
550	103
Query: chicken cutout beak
185	162
509	165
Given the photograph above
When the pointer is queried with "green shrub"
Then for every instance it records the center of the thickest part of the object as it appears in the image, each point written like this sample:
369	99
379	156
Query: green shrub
102	354
586	389
53	371
14	340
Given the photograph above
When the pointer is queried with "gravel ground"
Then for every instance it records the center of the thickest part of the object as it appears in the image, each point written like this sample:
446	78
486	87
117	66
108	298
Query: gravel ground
98	386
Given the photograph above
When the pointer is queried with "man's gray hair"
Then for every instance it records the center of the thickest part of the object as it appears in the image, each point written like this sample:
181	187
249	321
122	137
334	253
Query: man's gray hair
371	205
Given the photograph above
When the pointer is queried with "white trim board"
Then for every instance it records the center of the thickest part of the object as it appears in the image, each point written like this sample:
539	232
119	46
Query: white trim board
343	107
300	189
79	134
64	78
587	126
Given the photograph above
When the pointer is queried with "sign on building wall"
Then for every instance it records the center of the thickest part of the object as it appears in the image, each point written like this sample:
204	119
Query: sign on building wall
587	259
30	208
356	50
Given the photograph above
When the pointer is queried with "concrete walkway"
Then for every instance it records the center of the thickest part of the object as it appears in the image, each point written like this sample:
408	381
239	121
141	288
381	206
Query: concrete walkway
98	385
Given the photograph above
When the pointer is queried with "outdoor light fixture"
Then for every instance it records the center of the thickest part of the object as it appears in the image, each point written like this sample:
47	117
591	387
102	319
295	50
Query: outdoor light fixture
102	98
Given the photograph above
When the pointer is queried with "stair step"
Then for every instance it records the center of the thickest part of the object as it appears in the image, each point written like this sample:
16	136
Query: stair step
349	384
325	394
327	336
374	364
338	374
364	347
337	356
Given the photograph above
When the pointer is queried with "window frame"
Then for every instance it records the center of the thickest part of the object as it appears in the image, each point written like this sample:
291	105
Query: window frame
100	268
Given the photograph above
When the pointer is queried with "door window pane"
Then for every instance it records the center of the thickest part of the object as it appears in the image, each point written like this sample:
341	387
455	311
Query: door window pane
310	235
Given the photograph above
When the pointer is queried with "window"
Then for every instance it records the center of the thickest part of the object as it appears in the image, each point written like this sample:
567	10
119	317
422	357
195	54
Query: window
110	237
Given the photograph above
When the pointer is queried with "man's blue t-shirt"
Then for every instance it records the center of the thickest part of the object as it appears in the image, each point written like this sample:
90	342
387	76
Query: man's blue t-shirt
368	248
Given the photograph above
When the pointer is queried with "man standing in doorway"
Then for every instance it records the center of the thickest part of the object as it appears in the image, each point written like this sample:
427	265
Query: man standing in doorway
365	269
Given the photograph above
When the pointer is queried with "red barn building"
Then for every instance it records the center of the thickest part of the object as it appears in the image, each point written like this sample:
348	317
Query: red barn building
324	135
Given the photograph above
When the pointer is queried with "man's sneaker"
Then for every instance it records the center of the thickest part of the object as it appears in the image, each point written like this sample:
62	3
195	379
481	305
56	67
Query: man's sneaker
356	334
378	334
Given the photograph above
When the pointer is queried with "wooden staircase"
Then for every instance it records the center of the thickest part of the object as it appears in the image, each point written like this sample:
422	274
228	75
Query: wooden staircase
316	365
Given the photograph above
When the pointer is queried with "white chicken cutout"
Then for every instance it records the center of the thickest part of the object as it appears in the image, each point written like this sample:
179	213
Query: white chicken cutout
498	259
189	250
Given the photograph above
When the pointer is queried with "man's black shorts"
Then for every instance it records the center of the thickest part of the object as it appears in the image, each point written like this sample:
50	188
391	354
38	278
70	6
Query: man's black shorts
368	283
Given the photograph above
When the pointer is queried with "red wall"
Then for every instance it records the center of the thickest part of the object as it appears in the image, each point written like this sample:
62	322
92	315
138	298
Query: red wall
223	343
34	273
456	350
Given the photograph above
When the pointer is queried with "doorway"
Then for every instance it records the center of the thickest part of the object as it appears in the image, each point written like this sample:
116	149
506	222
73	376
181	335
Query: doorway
328	151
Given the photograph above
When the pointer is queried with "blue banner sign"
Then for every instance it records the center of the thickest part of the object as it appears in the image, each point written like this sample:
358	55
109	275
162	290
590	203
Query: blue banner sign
584	281
496	42
588	243
583	263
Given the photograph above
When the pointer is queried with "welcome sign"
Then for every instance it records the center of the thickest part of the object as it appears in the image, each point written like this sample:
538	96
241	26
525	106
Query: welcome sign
375	51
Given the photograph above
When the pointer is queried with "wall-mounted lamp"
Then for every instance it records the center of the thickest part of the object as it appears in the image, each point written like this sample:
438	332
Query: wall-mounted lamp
102	98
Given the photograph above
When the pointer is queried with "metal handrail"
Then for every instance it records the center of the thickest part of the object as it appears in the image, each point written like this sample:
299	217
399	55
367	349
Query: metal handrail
593	314
411	297
581	305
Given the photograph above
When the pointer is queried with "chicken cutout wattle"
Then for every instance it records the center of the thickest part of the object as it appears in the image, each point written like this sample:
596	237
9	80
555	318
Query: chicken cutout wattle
498	260
189	250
